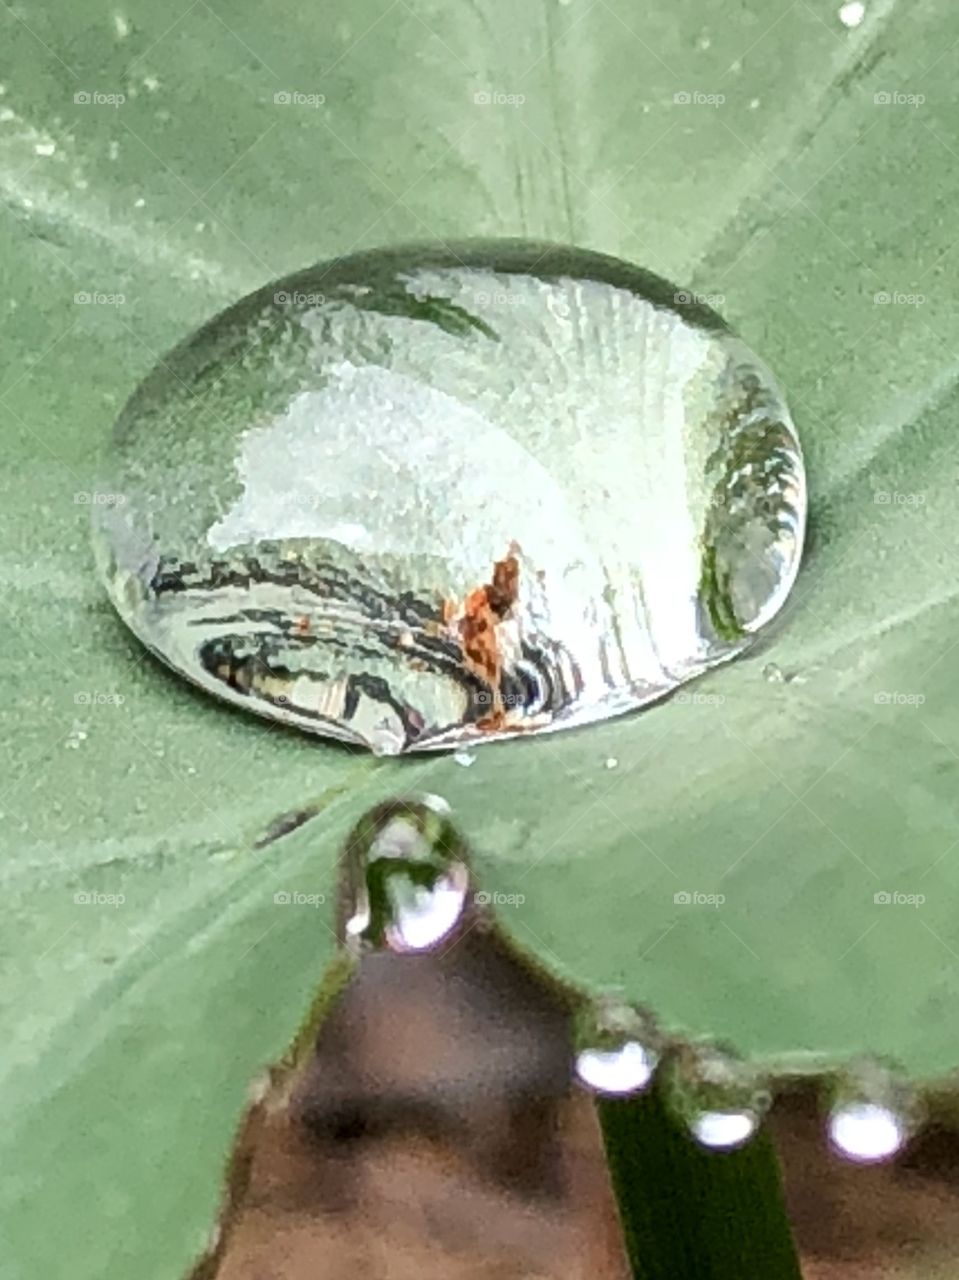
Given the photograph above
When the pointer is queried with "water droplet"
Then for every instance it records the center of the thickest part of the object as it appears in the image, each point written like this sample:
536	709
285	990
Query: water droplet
719	1097
723	1130
852	14
773	673
616	1051
753	104
612	763
407	879
76	736
121	26
872	1116
866	1132
45	148
417	499
464	758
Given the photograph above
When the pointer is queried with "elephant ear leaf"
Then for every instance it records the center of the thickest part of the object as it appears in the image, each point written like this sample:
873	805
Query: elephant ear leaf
795	173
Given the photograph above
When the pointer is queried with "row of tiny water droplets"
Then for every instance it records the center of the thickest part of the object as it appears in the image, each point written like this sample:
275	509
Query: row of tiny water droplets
408	889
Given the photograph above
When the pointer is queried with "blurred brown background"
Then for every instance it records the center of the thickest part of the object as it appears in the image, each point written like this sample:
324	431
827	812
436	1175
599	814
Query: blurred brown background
435	1133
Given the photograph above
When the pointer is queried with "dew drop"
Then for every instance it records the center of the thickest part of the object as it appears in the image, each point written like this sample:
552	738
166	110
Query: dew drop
406	877
866	1132
616	1051
852	14
718	1096
872	1116
773	673
426	498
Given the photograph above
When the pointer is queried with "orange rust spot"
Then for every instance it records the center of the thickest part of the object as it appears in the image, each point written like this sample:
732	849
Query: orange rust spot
475	621
302	625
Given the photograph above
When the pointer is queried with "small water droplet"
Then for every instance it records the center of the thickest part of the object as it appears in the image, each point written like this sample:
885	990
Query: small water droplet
866	1132
704	42
45	148
615	1050
464	758
76	736
720	1098
852	14
873	1114
121	26
444	497
773	673
612	762
151	84
139	202
407	878
753	104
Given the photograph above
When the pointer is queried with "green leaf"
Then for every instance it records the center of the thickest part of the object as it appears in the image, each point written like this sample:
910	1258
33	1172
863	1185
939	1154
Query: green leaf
130	1031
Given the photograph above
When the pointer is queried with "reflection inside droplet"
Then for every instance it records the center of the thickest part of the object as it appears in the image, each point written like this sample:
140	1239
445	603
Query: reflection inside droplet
423	917
866	1131
618	1071
407	881
724	1129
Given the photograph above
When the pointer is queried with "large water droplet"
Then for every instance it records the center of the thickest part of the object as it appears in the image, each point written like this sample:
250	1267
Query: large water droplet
719	1097
426	497
406	877
616	1049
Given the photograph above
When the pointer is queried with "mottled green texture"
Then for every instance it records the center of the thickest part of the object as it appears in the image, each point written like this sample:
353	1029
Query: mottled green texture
129	1033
